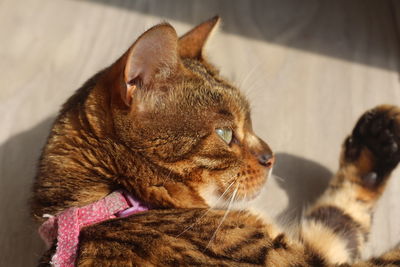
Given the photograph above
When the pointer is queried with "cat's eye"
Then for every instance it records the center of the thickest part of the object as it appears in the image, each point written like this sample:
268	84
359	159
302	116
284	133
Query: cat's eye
225	133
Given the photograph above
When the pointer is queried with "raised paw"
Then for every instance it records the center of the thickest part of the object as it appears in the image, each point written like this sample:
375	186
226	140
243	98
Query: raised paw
376	136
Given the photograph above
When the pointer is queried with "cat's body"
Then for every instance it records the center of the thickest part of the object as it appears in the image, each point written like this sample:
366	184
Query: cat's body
161	124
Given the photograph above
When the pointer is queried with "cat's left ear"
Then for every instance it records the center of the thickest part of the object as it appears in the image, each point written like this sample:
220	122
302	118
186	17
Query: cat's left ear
151	59
191	44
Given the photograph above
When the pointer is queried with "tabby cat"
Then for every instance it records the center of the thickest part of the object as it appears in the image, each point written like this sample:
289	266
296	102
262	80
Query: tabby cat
162	124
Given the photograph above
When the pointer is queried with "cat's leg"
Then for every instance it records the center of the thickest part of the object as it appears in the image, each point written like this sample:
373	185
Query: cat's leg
338	223
390	258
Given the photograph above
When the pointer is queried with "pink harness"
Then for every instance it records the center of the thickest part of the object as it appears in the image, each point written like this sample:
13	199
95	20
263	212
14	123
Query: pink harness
65	226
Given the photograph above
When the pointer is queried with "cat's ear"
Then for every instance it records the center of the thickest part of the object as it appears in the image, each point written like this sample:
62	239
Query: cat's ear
152	57
191	44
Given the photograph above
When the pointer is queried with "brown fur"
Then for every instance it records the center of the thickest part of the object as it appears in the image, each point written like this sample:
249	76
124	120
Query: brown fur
147	124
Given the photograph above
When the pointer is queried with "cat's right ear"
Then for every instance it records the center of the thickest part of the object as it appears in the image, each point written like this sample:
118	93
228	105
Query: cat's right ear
192	43
153	57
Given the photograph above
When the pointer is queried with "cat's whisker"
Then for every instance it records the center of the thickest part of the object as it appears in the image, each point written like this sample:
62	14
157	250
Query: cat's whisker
224	205
252	88
169	174
192	225
208	210
224	217
277	177
223	194
248	75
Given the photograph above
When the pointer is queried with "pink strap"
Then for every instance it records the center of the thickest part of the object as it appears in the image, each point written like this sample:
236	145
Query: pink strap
68	224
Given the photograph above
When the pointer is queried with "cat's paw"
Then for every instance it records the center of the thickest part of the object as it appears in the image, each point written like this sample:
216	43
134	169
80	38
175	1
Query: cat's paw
378	131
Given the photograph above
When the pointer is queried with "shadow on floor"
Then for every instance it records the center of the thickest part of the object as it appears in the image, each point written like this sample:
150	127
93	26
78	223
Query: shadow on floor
20	155
303	181
363	31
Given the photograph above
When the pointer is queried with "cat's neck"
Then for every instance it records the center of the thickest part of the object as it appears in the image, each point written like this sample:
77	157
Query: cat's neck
88	162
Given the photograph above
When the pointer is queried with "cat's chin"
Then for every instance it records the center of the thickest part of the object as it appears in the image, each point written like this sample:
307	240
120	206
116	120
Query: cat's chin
214	199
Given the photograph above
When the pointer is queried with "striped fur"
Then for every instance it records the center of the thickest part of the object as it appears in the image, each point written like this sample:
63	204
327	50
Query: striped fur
147	124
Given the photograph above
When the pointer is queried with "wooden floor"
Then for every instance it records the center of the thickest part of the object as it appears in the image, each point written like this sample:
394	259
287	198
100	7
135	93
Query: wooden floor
310	68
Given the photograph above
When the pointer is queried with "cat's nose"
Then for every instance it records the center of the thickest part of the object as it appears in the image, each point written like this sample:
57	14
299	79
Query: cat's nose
266	159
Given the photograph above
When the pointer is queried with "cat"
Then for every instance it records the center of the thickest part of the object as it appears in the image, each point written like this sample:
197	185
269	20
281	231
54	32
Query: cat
163	125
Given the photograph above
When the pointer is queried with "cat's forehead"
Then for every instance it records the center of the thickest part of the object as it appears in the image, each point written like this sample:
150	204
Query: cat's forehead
216	91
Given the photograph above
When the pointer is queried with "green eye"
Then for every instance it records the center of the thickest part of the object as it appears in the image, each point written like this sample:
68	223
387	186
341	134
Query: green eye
225	134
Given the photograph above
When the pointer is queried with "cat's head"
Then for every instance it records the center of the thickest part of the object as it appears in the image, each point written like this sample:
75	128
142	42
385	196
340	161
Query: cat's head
191	127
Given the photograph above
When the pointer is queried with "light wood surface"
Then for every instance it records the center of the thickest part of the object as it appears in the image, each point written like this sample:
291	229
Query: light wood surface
310	68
